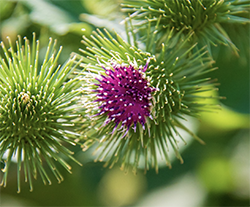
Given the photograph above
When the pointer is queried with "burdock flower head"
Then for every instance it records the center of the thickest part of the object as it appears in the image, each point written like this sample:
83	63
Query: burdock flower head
35	101
133	100
203	17
125	96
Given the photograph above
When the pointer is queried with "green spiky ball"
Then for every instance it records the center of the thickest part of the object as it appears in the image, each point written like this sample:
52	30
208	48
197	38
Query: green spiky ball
177	77
35	101
203	17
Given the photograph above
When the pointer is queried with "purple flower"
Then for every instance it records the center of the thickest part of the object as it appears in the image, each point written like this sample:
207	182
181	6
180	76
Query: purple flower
125	95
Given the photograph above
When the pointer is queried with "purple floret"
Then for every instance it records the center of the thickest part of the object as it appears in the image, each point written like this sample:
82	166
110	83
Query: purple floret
125	95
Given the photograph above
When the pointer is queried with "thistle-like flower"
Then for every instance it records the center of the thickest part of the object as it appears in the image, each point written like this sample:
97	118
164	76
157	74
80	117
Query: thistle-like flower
125	95
35	101
133	100
203	17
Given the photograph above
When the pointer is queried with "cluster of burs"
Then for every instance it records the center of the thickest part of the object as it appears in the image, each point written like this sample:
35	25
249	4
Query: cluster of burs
124	96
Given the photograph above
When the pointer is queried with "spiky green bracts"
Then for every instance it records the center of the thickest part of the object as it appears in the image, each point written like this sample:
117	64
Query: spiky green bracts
35	101
203	17
113	96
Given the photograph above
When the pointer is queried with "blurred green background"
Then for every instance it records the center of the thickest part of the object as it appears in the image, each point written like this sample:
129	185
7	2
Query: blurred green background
216	174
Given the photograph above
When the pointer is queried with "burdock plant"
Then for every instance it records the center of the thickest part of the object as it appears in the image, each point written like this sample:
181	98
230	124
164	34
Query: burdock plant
133	100
131	97
203	17
37	111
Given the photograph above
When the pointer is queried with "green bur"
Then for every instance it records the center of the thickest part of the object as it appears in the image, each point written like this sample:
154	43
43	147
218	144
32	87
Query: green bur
37	111
203	17
179	78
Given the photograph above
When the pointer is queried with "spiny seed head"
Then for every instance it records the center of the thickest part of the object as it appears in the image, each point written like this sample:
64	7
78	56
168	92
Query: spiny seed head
122	97
34	110
203	17
125	95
